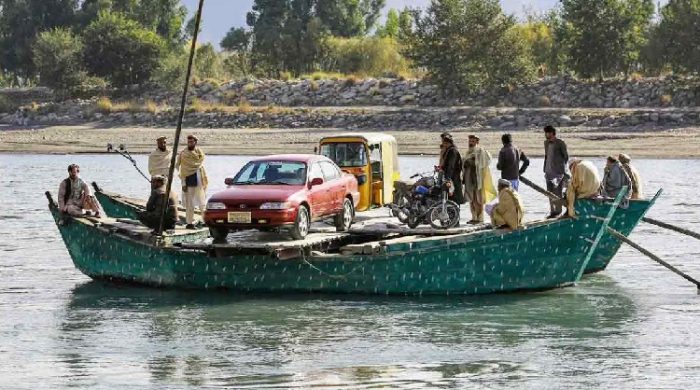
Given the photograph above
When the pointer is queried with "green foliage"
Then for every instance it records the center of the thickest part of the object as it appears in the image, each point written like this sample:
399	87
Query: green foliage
676	40
538	33
165	17
208	63
120	50
604	37
369	56
390	29
469	45
20	21
349	18
58	60
237	39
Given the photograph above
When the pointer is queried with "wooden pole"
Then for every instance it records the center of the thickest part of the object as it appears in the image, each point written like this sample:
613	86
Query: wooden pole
652	256
181	115
671	227
539	189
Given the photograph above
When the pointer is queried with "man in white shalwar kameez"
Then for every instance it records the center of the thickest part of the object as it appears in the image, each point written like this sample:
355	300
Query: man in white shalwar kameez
194	179
159	159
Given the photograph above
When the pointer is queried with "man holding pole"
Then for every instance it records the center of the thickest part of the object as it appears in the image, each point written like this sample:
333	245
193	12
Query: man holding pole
478	183
190	162
555	159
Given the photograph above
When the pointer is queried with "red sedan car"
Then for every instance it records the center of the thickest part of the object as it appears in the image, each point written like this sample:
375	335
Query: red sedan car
283	191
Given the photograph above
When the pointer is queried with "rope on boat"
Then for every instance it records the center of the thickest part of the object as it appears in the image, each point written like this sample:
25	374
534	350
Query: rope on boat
652	256
671	227
303	259
181	114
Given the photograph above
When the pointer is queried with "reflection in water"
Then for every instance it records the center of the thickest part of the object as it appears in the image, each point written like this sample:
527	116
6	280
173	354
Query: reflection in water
634	326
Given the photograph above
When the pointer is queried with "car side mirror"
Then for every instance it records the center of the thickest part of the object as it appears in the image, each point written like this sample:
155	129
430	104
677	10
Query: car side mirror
228	181
317	181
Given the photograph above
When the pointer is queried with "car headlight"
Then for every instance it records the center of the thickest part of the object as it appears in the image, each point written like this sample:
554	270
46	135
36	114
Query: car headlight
216	206
275	206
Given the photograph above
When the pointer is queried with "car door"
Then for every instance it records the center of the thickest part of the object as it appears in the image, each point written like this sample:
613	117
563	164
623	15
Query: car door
317	194
336	189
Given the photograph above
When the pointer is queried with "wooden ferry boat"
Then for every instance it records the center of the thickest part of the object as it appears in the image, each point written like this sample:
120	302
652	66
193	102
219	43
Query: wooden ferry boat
372	258
624	221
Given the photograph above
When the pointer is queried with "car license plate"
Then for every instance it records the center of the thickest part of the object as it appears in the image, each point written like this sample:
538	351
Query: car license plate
238	217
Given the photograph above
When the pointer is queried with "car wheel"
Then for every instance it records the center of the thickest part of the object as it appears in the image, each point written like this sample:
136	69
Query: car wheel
301	225
343	221
218	233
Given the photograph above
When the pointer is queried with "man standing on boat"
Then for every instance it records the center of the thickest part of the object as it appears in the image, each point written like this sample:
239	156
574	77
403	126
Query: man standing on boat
509	159
585	183
478	183
190	162
159	159
451	165
75	197
509	211
614	179
555	158
635	177
154	207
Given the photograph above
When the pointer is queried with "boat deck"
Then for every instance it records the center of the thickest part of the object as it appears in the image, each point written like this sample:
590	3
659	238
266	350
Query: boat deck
371	231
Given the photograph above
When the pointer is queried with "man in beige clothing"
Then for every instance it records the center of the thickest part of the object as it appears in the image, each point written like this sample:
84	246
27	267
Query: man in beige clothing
584	183
477	180
75	197
159	159
194	179
635	177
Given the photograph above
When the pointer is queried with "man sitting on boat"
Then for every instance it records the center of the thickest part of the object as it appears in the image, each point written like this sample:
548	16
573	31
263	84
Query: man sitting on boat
159	159
584	183
75	197
635	177
508	213
154	207
614	179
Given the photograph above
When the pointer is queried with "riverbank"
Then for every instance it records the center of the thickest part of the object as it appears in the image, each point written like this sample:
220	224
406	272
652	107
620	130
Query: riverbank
677	142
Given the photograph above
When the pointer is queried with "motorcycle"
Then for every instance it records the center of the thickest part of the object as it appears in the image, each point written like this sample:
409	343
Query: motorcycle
426	201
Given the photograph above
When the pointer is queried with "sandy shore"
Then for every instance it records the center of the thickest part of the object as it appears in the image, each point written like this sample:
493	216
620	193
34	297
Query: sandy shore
658	143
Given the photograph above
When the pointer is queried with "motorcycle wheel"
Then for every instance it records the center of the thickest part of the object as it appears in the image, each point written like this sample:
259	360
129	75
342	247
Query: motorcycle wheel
444	220
401	200
412	221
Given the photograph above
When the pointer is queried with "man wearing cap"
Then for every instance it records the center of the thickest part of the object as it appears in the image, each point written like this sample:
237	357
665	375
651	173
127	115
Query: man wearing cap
159	159
190	162
509	159
451	165
154	207
555	159
614	179
509	211
585	183
75	196
478	183
635	177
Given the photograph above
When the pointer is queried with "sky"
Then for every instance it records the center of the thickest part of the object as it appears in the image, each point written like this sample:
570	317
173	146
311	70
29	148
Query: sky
221	15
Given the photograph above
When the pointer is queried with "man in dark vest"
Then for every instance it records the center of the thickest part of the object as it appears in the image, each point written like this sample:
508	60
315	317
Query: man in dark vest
75	197
154	207
451	165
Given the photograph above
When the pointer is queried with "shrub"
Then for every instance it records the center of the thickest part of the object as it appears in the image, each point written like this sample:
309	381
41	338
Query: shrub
243	106
665	100
313	86
351	81
196	106
544	101
104	105
121	50
368	56
285	76
249	88
57	57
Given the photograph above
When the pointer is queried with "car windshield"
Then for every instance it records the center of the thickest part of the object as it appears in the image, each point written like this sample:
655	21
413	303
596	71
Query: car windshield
350	154
272	172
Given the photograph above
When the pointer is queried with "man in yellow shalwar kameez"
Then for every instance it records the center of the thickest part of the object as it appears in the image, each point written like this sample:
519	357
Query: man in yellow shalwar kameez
509	211
194	179
584	183
477	180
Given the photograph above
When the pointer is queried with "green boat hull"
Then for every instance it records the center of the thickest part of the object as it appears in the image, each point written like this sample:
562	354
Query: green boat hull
624	221
545	256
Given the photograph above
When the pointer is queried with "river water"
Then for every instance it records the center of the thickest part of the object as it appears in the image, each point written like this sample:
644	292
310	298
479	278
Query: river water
634	325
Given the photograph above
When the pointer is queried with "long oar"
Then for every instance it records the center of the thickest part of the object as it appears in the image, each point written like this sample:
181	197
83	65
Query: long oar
671	227
652	256
539	189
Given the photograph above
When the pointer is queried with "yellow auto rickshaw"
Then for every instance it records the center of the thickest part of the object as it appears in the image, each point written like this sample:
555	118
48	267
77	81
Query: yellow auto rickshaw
374	160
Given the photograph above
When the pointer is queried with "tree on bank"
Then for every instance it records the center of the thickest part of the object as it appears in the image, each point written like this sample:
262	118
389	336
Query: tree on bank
469	45
58	59
21	21
349	18
676	40
121	50
604	37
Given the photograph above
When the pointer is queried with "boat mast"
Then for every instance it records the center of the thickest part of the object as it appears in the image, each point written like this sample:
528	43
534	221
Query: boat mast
183	102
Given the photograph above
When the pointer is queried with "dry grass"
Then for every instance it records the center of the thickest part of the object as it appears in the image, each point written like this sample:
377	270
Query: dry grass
249	88
665	100
104	105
